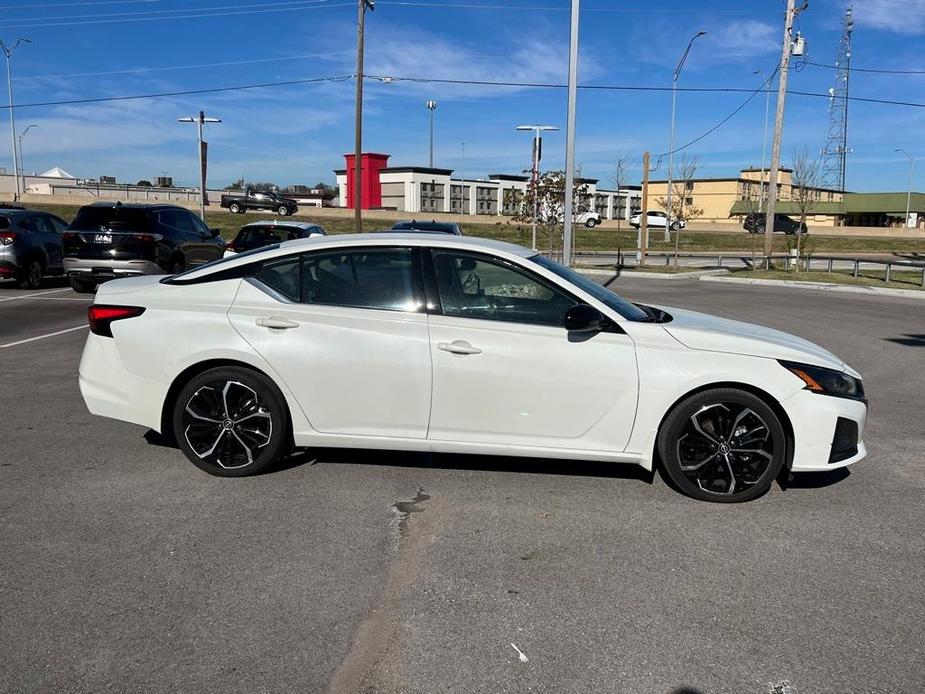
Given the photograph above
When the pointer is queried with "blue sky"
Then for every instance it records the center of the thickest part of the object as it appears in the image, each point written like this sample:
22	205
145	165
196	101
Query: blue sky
298	134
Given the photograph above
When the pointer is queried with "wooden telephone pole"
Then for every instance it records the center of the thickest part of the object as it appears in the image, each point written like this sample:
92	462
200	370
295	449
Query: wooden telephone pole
358	123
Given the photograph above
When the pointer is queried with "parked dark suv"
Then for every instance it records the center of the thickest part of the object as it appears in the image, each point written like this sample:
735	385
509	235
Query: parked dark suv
754	224
108	240
30	245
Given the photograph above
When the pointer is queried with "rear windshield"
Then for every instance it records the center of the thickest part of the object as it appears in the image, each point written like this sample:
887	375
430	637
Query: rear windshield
425	226
115	218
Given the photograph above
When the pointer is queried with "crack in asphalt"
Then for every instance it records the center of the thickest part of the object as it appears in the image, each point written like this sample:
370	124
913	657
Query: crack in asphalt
375	660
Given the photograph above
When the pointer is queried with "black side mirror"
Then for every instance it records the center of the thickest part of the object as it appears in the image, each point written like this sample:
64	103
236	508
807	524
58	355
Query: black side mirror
585	319
215	233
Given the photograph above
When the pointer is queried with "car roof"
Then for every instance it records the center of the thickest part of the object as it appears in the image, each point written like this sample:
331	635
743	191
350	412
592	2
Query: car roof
281	223
413	238
135	205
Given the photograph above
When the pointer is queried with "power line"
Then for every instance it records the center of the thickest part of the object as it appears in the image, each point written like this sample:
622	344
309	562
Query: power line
203	13
159	12
621	10
77	4
880	71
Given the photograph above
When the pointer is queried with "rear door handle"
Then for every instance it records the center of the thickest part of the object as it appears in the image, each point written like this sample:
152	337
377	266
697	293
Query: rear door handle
458	347
276	322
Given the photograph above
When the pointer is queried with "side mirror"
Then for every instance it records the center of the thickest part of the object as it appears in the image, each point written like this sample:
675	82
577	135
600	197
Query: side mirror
584	319
215	233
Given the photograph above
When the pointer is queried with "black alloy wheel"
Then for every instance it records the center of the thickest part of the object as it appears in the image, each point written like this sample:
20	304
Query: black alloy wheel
231	422
32	274
722	445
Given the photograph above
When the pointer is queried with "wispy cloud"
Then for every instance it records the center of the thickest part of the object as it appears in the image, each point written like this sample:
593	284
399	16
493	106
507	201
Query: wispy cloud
901	17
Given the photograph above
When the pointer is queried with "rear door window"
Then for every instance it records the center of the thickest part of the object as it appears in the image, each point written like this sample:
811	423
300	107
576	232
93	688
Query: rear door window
377	278
115	218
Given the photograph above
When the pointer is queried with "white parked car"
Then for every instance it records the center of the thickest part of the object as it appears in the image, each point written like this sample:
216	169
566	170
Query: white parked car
586	216
434	342
656	219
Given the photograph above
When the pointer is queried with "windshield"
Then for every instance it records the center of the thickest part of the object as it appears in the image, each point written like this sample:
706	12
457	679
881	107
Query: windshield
599	292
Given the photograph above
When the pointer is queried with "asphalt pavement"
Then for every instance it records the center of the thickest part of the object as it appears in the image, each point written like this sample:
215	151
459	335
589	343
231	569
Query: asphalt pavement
124	568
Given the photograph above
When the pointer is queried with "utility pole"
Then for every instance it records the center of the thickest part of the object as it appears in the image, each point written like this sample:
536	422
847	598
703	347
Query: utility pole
643	234
570	137
358	123
8	52
535	167
779	124
431	106
200	120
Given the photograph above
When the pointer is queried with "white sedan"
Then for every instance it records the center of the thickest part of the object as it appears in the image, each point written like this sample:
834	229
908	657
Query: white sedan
432	342
657	220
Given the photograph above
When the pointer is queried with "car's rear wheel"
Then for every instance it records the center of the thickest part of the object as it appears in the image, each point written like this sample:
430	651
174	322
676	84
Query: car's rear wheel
724	445
32	274
591	223
177	265
234	208
82	286
231	422
282	210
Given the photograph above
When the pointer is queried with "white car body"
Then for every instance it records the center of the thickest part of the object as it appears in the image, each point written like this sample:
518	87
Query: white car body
656	219
354	377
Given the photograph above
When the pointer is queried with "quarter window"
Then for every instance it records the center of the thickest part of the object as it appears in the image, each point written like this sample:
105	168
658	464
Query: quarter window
474	287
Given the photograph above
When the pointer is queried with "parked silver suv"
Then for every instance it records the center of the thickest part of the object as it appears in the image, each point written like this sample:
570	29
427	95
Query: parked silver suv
30	245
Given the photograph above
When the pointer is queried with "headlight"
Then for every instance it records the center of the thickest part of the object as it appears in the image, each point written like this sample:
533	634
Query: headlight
826	381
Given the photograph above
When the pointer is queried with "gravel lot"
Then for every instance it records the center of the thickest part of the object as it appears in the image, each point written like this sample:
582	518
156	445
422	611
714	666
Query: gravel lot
124	568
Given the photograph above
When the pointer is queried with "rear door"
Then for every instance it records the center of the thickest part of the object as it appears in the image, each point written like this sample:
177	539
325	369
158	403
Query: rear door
347	333
109	233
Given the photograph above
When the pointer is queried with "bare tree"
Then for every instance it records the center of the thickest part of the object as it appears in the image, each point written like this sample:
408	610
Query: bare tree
804	190
682	199
550	199
619	175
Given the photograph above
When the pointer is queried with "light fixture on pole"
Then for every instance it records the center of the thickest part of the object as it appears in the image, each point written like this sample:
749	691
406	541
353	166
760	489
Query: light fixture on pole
8	52
909	193
431	106
674	99
22	166
200	120
535	168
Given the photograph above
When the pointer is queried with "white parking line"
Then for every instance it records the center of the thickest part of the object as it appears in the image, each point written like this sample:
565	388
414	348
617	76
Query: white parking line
33	295
42	337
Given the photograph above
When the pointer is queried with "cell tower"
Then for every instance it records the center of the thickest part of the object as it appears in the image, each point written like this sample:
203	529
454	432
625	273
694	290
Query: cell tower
832	174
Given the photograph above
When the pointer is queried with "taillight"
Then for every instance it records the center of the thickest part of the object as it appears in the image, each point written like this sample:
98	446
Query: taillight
7	238
102	317
147	238
68	235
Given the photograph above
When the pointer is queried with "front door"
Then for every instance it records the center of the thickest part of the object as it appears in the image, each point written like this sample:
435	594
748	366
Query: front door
345	330
507	372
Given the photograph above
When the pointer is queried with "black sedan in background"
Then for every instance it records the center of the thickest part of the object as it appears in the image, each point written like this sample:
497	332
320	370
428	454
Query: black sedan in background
431	226
754	224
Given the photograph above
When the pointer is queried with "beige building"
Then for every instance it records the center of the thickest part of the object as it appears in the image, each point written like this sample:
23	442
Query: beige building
727	200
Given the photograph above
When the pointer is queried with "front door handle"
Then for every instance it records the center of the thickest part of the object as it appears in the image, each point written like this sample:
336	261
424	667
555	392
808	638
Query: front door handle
458	347
276	322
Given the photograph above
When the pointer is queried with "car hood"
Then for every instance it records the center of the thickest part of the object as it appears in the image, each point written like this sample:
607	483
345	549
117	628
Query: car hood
710	333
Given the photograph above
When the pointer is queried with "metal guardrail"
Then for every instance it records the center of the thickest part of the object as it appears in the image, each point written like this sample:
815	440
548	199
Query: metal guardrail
807	261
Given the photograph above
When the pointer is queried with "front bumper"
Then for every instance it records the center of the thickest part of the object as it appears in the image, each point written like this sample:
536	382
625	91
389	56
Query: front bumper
102	270
814	419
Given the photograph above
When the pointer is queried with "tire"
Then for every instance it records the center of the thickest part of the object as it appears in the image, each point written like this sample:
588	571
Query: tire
591	223
82	286
237	400
282	210
234	208
32	274
675	226
177	265
704	458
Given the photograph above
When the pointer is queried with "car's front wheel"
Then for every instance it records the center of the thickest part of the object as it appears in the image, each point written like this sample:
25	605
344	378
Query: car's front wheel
724	445
591	223
231	422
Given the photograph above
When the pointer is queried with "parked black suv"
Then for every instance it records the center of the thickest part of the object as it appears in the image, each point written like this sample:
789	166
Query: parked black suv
108	240
30	245
754	224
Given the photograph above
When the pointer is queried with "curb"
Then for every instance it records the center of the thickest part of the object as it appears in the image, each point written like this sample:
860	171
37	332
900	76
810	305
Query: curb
825	287
694	274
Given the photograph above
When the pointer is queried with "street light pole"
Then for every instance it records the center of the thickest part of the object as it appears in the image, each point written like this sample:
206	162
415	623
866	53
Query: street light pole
22	165
674	99
909	193
358	118
200	120
431	106
535	167
764	143
570	135
8	52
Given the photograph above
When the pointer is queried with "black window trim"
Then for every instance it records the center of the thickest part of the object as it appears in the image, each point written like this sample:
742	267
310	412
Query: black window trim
433	295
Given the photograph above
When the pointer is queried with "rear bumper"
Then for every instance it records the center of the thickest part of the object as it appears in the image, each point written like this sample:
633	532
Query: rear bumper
8	269
102	270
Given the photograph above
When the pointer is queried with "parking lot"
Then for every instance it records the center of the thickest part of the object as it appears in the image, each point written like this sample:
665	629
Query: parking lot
123	567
